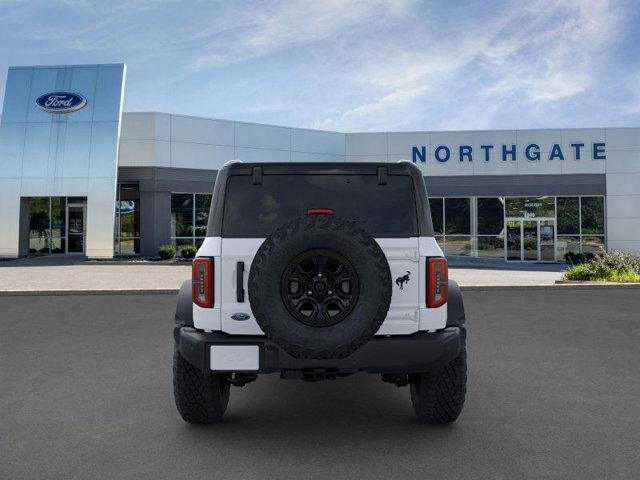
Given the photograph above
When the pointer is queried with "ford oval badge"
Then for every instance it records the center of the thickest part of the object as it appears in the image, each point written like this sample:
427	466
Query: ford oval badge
240	317
61	102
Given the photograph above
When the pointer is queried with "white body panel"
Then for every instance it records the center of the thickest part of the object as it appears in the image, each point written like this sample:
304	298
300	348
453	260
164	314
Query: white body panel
407	312
236	250
404	312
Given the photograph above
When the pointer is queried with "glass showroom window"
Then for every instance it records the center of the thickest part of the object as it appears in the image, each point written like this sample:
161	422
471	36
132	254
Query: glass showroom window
189	216
490	227
568	225
47	228
457	226
530	207
580	225
40	225
592	224
437	217
452	224
127	228
475	226
58	223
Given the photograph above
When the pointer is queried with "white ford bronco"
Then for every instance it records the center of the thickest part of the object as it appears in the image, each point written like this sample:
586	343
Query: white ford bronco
317	271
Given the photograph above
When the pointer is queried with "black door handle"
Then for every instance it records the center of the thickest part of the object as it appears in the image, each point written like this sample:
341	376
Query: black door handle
239	282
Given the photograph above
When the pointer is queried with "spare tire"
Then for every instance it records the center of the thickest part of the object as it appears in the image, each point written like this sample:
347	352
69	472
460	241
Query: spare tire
320	287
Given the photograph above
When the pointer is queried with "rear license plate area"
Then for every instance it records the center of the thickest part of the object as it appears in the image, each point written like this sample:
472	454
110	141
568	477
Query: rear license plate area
234	358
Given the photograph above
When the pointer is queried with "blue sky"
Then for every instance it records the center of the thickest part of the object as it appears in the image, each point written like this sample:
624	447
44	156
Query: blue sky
348	65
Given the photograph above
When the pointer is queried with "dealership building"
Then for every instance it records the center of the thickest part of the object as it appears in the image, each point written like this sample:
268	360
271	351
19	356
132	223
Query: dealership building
80	176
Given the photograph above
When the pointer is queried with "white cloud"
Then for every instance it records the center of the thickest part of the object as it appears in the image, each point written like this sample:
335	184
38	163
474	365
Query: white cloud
349	64
398	98
551	56
631	104
534	55
282	25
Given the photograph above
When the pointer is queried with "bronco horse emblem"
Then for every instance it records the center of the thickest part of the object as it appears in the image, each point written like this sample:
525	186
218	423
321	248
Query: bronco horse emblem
400	281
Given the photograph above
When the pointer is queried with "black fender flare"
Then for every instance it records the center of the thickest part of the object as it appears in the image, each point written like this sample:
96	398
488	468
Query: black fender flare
455	306
184	307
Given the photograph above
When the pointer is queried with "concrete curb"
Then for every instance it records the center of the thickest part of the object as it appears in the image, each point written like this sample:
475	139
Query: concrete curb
140	291
174	291
553	286
179	263
580	282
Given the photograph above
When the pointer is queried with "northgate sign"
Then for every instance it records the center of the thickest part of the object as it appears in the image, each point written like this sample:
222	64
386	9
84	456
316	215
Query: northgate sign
531	152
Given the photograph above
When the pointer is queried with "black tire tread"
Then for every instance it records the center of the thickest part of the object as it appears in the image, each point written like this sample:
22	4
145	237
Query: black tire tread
200	397
438	397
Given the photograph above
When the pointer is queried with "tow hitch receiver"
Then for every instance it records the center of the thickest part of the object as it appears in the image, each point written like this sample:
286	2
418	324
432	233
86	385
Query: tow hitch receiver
311	375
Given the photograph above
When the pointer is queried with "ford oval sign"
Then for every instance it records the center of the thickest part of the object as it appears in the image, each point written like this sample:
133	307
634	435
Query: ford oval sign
241	317
61	102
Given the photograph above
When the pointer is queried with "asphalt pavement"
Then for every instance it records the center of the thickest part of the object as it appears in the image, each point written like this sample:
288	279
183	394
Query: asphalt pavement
554	389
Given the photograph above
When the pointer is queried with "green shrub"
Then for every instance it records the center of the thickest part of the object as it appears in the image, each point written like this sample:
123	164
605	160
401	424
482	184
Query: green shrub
624	277
576	258
188	251
167	252
582	271
615	266
617	260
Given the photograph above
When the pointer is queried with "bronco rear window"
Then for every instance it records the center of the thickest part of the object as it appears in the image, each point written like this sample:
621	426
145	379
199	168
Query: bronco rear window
382	210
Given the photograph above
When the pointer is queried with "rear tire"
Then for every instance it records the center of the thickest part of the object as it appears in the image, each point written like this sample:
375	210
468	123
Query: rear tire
438	397
200	397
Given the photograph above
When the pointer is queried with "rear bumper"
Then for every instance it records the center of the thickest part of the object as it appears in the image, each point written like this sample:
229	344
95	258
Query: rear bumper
420	352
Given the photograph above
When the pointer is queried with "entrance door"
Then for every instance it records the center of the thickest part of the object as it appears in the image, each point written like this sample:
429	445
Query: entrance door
547	240
514	240
75	227
530	240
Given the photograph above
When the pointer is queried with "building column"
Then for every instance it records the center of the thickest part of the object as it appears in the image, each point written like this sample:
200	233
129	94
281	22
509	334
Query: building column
9	217
155	221
100	213
25	217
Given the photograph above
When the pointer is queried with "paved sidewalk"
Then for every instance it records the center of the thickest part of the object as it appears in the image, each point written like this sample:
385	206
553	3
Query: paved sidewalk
64	274
480	277
488	273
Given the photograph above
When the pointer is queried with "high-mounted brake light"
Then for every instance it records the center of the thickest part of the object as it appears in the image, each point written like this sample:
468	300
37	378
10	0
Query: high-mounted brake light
202	282
320	211
437	282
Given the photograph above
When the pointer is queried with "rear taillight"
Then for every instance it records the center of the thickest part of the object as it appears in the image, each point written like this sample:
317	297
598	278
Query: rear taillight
437	282
202	282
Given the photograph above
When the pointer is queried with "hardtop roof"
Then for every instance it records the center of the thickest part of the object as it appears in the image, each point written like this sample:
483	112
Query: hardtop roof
336	168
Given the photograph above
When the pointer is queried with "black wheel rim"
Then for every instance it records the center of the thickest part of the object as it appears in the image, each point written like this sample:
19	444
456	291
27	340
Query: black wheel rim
319	288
